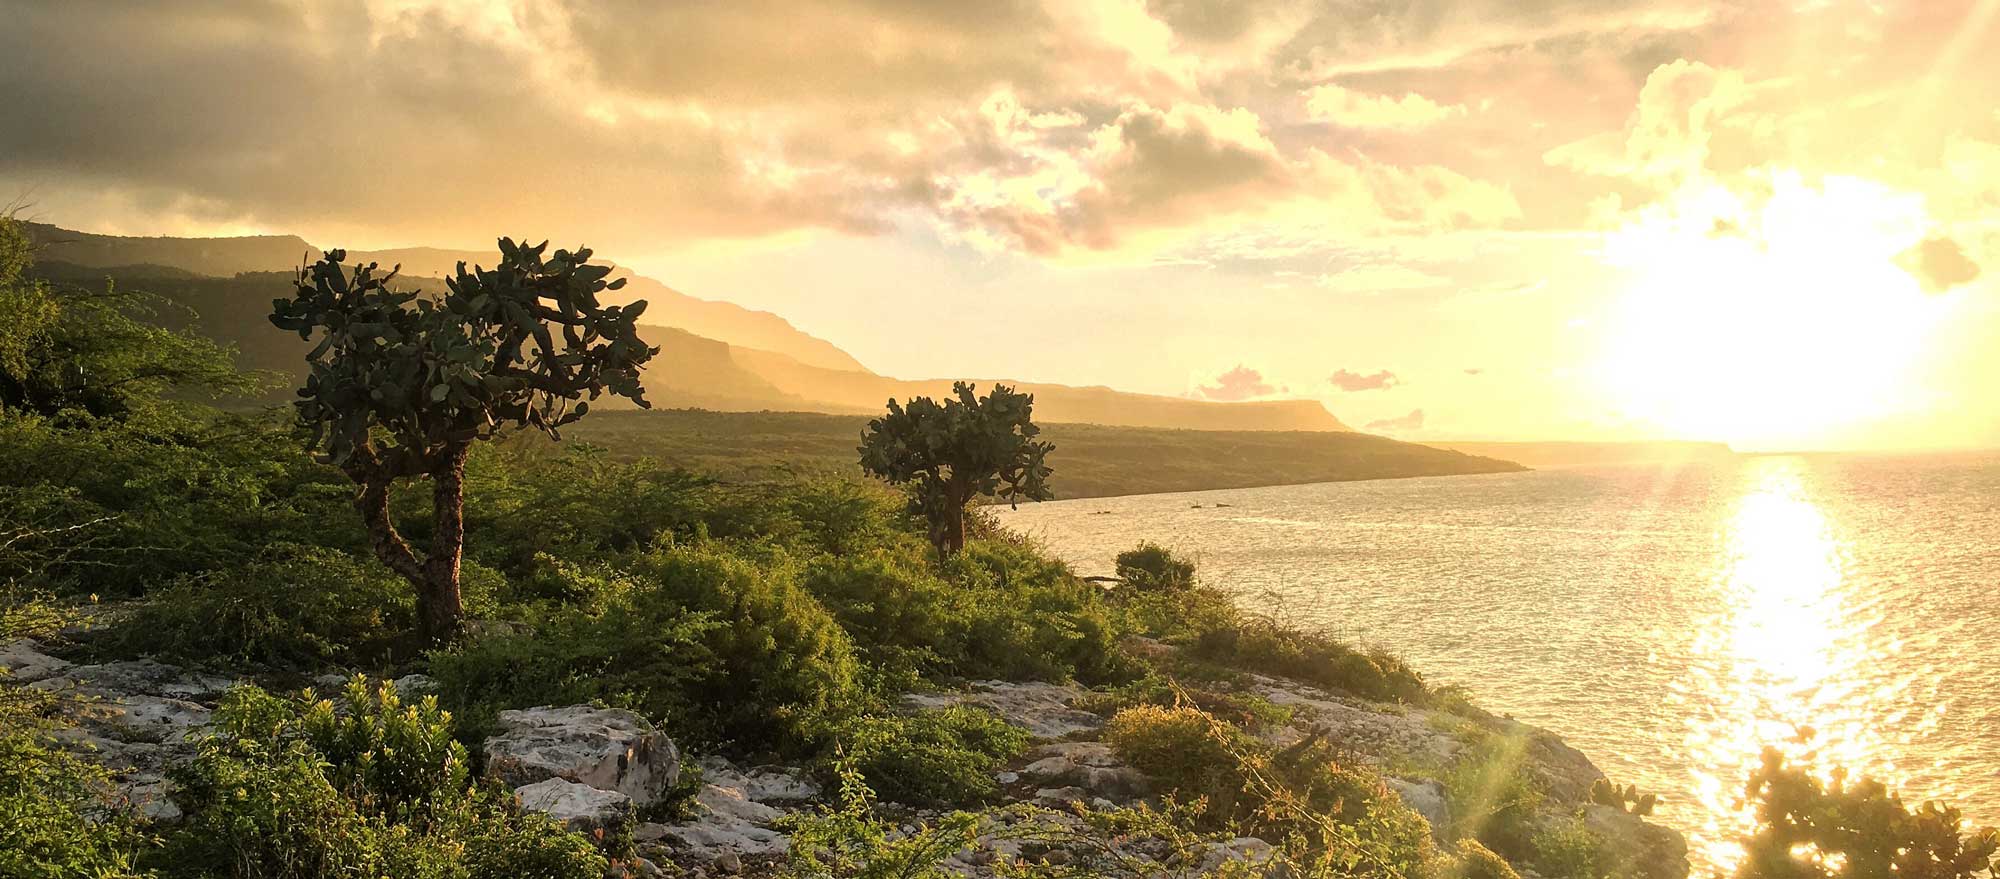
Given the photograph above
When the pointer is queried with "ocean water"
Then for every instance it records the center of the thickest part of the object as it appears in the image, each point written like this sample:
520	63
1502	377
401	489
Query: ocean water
1667	620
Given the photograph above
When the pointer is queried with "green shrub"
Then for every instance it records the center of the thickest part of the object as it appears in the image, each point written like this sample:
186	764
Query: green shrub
1189	752
1035	620
292	787
1493	796
56	817
296	608
932	758
1837	829
1152	568
1567	849
1475	861
724	648
851	841
1264	645
842	516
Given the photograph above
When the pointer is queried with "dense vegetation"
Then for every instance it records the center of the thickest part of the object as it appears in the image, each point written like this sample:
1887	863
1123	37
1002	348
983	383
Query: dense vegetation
948	455
778	617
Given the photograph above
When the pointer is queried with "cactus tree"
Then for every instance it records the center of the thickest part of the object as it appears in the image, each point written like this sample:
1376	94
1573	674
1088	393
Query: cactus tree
948	454
402	384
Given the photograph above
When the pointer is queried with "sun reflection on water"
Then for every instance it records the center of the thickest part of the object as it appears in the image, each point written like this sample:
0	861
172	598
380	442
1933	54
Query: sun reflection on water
1784	658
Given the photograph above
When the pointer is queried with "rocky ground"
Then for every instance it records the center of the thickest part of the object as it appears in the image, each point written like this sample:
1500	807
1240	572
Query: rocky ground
608	769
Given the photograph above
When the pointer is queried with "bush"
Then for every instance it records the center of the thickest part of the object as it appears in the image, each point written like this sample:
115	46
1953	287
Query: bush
932	758
1567	849
1035	620
1264	645
1152	568
1475	861
1188	751
1841	830
721	647
1493	796
55	821
297	608
292	787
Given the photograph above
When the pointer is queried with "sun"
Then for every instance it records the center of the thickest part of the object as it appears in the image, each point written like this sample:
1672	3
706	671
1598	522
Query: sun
1777	318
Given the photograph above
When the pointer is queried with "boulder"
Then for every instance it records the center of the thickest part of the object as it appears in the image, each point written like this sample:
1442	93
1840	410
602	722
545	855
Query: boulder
137	677
605	748
1044	710
580	807
1643	850
25	662
1425	797
1091	766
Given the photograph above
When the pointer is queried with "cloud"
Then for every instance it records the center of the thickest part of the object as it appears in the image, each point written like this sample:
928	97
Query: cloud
1241	383
1939	263
1412	421
1667	138
1341	106
1474	370
1354	381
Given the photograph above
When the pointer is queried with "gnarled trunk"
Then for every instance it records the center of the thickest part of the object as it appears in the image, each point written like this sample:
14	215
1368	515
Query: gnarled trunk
440	609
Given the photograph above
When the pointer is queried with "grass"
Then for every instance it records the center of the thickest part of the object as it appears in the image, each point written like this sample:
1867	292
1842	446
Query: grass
1092	460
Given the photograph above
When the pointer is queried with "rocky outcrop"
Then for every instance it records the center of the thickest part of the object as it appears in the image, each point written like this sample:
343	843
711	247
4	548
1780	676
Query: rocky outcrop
1046	711
735	814
600	814
609	749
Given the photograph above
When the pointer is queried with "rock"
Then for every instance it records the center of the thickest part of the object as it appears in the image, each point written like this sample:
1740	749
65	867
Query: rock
1060	796
141	718
729	862
1242	849
1426	797
138	677
25	662
578	806
1643	850
412	686
649	832
606	748
1377	731
1091	766
708	839
331	682
1040	708
763	784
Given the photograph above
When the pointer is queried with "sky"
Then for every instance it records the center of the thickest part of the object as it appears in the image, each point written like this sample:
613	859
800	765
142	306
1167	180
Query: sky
1770	224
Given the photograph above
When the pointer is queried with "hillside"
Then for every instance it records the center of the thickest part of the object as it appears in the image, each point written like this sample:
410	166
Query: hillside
1091	460
1592	454
716	369
227	257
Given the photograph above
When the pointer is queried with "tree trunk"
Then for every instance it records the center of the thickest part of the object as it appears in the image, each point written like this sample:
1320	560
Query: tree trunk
954	529
440	609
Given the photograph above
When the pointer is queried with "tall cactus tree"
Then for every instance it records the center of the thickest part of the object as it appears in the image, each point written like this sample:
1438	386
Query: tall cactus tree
403	384
948	454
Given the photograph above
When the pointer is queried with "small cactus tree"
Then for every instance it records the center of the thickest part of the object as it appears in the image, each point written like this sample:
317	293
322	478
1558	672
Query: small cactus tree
948	454
403	384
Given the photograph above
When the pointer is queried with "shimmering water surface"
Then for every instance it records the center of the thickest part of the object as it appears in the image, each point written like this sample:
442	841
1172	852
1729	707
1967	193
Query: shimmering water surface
1667	620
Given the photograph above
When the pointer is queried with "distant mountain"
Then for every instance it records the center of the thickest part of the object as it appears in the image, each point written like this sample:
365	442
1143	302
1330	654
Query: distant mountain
226	257
1589	454
714	355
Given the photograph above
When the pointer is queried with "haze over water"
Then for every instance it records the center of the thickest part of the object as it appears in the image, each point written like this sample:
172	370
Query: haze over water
1668	621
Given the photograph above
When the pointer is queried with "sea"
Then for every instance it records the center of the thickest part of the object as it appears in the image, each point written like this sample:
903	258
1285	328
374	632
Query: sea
1669	620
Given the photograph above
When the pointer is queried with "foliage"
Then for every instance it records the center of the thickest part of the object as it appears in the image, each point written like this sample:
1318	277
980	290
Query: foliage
1150	567
932	758
124	505
950	454
1567	849
297	608
292	787
54	819
1493	797
401	386
1625	799
1265	645
722	649
1836	829
69	349
850	841
1475	861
